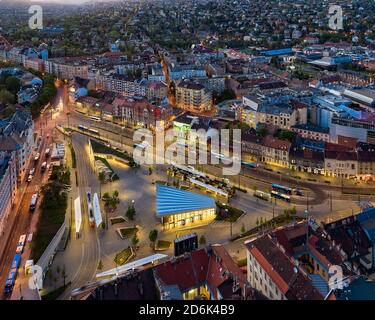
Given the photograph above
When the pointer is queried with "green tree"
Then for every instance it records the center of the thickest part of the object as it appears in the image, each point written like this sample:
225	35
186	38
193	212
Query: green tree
6	97
13	84
262	131
101	178
243	229
100	265
153	235
135	239
130	213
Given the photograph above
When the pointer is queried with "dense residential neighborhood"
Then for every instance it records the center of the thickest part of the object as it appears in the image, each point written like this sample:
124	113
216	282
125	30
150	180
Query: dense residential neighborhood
107	111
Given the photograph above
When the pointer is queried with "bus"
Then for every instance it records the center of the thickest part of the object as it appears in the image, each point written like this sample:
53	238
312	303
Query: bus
96	119
93	131
280	196
34	199
143	145
282	189
83	128
21	243
12	275
249	165
262	195
90	211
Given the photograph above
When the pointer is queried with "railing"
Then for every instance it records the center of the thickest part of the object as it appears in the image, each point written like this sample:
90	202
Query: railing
47	257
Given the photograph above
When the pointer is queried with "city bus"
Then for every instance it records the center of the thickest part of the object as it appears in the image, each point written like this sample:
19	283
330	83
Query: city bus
83	128
262	195
282	189
280	196
93	131
34	199
12	275
249	165
96	119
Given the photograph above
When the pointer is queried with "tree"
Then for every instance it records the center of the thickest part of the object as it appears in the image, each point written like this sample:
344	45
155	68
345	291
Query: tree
130	213
101	178
243	229
13	84
9	110
100	265
153	235
202	240
6	97
262	131
135	239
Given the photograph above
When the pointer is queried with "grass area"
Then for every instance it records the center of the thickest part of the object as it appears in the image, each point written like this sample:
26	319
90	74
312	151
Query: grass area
278	221
163	244
123	256
98	147
127	232
117	220
53	295
74	158
231	215
242	262
52	213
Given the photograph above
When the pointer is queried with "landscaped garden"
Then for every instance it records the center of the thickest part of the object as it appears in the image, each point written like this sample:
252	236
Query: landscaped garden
53	208
123	256
98	147
163	245
126	233
227	213
116	220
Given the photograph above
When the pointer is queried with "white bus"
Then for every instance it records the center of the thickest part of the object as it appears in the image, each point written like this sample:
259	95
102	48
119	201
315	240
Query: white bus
34	199
96	119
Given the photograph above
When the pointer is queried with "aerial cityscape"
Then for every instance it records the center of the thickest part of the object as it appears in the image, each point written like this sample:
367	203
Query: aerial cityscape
187	150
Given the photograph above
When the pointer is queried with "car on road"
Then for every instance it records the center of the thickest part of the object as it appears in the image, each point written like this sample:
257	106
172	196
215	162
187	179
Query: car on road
36	158
44	166
30	177
46	154
32	171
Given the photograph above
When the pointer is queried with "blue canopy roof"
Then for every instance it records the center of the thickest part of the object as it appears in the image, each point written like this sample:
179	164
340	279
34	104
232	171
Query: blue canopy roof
170	201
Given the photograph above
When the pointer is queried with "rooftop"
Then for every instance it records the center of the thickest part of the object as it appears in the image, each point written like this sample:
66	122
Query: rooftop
170	201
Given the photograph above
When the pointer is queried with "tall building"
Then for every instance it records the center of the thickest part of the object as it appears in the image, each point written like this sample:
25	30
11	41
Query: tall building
17	135
193	97
8	186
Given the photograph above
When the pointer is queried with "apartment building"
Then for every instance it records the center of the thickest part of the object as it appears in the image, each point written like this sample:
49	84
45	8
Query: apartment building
34	64
17	135
126	85
310	131
193	97
275	274
8	186
343	164
67	68
141	113
275	151
157	90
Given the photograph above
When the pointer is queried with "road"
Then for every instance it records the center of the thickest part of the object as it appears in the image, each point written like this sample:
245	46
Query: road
89	236
23	218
